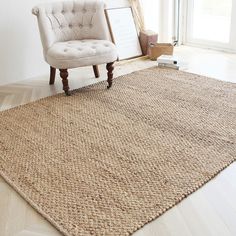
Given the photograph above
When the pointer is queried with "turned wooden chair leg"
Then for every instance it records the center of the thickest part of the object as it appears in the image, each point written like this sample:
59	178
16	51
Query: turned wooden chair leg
96	71
110	68
64	75
52	75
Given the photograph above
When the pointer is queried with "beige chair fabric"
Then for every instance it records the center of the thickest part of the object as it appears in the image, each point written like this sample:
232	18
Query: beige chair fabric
75	34
63	25
72	54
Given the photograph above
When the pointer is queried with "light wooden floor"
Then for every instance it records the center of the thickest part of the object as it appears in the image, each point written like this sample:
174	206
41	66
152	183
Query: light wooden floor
211	211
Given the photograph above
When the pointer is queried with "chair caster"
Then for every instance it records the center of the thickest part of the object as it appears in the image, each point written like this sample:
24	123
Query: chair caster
68	93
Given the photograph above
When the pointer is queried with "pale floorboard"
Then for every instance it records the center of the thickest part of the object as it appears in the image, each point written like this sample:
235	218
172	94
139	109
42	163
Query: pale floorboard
211	211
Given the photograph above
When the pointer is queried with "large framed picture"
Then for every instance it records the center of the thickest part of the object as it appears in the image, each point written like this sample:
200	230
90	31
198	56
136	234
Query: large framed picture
123	32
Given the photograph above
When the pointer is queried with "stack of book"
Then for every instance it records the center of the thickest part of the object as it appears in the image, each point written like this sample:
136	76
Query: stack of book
167	61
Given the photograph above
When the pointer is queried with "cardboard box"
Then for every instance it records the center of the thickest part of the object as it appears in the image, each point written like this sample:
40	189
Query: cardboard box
158	49
146	38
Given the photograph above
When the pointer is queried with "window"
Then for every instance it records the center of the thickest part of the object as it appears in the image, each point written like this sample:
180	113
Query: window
211	23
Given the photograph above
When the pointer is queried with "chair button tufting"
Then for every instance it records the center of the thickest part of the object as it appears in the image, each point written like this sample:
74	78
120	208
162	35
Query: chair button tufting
90	25
80	25
70	25
84	10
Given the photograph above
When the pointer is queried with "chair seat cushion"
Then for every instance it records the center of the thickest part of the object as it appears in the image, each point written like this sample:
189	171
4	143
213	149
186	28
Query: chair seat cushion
77	53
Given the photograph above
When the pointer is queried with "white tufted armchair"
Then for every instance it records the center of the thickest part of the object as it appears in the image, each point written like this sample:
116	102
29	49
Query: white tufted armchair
75	34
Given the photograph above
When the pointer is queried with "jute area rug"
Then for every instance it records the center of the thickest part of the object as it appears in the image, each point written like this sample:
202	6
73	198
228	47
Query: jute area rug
106	162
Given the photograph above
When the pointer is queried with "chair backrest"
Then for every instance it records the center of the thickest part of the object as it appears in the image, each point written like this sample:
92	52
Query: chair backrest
71	20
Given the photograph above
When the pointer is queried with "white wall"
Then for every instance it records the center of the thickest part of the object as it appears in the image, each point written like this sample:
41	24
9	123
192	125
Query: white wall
167	15
152	14
20	47
159	17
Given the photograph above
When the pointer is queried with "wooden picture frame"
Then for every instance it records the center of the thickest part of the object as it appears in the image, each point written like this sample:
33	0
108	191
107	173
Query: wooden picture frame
123	32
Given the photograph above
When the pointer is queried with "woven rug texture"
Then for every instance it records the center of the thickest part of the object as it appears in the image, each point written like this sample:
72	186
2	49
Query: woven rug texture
107	162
